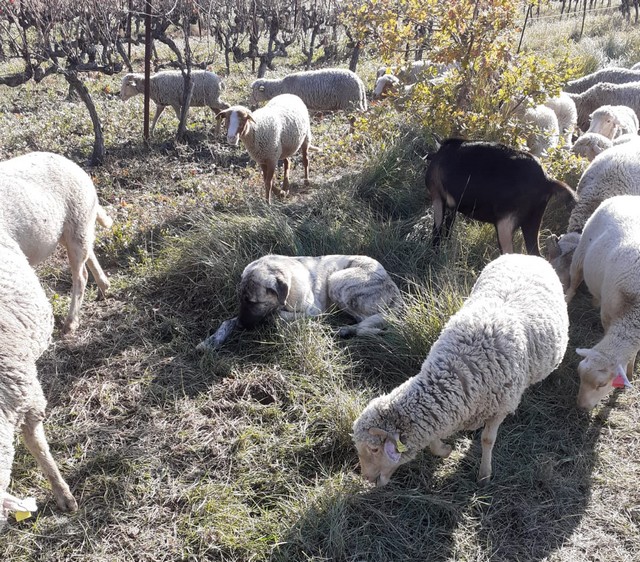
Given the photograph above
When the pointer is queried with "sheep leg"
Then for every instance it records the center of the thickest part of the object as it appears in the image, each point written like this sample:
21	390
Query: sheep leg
575	278
36	441
305	159
159	110
6	454
504	230
216	112
78	256
440	449
101	279
489	434
285	180
268	170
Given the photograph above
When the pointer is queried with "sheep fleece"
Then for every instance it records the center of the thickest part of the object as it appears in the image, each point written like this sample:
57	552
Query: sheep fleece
510	333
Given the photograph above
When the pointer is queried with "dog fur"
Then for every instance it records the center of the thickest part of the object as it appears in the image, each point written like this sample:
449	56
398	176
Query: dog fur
309	286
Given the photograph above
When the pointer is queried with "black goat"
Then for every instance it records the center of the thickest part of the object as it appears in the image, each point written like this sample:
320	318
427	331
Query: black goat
490	182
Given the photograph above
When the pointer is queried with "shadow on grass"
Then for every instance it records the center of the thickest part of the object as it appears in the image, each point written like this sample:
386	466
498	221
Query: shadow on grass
433	509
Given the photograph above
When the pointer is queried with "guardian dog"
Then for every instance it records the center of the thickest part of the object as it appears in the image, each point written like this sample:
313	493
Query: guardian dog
309	286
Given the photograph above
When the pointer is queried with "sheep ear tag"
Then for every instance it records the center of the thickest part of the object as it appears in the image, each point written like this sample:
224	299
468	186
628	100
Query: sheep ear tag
620	380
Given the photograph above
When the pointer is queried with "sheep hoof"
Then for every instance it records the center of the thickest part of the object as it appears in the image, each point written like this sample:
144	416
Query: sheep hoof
69	327
66	502
483	480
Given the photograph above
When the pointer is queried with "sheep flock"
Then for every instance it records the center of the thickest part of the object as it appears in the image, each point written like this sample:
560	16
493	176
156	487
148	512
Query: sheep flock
510	333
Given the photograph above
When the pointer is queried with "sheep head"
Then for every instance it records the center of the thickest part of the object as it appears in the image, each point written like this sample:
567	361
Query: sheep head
238	121
132	84
560	253
598	375
380	459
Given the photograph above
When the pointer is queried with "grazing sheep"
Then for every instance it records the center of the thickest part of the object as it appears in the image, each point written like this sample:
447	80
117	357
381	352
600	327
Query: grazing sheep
614	172
167	89
388	84
590	145
613	121
565	109
493	183
274	132
26	323
47	199
608	259
545	131
510	333
610	75
605	94
328	89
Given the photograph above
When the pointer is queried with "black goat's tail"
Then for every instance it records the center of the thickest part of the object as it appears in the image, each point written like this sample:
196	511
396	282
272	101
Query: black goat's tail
562	188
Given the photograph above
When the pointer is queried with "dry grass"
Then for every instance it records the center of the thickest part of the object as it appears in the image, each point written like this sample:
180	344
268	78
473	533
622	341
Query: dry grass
246	454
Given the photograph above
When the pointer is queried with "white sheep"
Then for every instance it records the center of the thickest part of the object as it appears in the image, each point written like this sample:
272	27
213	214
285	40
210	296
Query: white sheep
389	83
510	333
613	121
166	88
274	132
614	172
590	145
26	324
544	130
605	94
608	259
327	89
47	199
616	75
628	137
565	109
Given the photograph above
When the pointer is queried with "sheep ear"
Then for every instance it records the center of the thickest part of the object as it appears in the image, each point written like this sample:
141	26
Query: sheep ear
377	432
586	353
391	448
553	248
250	117
222	114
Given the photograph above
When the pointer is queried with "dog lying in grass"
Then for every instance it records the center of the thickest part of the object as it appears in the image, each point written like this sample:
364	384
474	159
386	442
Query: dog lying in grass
291	286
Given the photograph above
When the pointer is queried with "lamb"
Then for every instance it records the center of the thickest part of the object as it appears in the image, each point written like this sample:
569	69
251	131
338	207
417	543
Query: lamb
47	199
276	131
567	114
167	89
510	333
26	324
606	94
590	145
328	89
493	183
608	259
614	172
616	75
613	121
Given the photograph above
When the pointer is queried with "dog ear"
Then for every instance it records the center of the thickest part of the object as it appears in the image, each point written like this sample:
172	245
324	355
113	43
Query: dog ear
282	289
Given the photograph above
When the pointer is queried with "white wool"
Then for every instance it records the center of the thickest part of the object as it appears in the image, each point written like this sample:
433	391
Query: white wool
608	259
53	200
590	145
510	333
322	90
613	121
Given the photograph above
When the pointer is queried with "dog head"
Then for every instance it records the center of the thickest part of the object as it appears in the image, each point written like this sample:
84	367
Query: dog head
262	292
